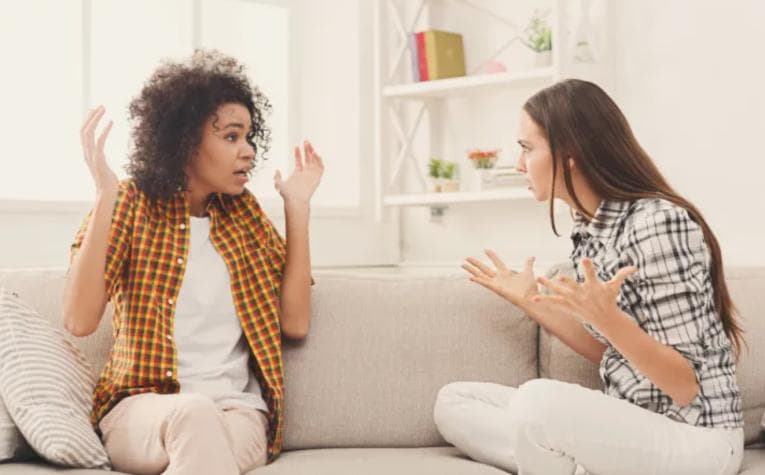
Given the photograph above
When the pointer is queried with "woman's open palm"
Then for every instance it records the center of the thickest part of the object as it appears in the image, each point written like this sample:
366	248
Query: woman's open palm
93	150
516	287
305	178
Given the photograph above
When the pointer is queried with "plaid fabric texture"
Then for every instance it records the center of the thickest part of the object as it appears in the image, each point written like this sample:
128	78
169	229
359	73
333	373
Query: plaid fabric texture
148	244
671	297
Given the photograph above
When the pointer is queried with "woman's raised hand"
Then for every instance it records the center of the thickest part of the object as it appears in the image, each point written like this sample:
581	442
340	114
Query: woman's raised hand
305	178
516	287
93	150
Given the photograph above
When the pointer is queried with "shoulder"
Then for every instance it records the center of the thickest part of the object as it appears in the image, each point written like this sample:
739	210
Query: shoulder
659	230
245	203
651	217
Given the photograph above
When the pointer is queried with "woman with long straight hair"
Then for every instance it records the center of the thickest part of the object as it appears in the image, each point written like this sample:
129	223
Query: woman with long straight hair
648	303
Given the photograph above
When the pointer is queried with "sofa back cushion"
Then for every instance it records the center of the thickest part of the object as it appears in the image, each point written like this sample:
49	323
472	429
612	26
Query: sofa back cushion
42	290
380	348
747	289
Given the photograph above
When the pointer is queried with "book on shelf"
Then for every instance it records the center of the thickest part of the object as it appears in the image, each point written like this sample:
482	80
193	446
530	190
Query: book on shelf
437	55
500	177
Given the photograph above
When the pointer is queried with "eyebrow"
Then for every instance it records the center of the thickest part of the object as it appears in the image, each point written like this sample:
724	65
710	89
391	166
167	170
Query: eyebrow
237	125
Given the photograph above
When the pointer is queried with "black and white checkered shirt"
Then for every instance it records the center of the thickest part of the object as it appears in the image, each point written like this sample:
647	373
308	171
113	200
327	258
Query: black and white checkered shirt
671	297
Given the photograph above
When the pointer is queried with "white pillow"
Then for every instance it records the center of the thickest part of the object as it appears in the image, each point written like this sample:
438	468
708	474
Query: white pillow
13	447
47	387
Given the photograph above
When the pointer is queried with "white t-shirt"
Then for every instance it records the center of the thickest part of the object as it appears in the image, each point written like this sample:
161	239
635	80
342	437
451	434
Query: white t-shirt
212	350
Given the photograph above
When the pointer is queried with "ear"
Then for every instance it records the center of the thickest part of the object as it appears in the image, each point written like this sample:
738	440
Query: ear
571	163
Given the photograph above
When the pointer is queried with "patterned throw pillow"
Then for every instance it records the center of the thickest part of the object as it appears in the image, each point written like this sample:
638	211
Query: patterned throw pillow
13	447
47	386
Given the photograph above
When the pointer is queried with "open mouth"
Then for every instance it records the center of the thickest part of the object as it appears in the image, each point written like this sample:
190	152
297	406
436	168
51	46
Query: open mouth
245	172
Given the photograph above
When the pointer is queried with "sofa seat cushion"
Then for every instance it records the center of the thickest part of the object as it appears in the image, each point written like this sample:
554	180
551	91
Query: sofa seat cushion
419	461
42	468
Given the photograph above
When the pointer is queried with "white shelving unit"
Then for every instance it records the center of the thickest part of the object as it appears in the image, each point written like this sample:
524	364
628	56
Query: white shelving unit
401	105
456	87
442	199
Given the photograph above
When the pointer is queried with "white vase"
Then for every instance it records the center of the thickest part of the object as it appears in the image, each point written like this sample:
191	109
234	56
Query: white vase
543	59
477	179
450	185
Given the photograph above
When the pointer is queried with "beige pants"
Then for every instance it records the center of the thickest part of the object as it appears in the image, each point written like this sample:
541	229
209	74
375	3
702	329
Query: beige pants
179	434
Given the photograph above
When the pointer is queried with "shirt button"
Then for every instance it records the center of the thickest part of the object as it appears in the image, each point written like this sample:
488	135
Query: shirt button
170	337
169	374
180	260
183	226
170	301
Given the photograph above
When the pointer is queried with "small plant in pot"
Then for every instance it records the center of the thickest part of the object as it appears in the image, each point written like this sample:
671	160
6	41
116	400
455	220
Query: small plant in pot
483	159
539	38
443	174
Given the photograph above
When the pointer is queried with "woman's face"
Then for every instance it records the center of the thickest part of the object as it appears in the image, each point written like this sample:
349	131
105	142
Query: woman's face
536	160
224	158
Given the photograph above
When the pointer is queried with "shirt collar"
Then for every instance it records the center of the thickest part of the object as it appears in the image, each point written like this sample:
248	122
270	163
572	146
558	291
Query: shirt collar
221	202
604	225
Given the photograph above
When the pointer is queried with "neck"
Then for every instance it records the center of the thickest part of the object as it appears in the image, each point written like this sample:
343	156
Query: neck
589	200
197	202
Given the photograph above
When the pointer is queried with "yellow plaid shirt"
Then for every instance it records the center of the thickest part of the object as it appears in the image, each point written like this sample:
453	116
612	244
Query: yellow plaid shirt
145	264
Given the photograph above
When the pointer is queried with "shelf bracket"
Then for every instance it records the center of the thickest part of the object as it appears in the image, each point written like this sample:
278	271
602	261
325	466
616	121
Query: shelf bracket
403	34
405	140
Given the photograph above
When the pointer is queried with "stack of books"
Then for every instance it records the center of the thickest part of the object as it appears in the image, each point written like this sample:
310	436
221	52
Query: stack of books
436	55
501	177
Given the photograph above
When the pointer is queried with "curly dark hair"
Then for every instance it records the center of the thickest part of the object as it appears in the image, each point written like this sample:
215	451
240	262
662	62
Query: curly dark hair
170	112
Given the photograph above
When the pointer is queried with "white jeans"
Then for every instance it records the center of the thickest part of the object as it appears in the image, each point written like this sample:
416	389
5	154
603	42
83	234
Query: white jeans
548	427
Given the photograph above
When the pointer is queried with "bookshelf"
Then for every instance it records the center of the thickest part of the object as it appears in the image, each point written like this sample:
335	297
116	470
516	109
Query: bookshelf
442	199
456	87
405	110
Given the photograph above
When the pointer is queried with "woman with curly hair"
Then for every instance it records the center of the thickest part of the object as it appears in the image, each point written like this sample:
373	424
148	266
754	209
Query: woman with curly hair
202	285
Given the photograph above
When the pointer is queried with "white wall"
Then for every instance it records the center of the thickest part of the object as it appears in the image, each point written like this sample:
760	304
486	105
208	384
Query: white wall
332	107
689	76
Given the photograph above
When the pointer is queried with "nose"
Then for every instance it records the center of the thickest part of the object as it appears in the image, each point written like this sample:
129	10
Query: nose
520	164
247	152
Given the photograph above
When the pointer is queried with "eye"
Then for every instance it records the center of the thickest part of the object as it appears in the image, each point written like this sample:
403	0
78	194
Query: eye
232	137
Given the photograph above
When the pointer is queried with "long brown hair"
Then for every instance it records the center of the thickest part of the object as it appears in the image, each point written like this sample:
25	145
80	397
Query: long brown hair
580	120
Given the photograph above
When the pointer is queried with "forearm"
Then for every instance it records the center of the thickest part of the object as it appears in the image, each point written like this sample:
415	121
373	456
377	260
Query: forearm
567	329
295	300
662	364
85	289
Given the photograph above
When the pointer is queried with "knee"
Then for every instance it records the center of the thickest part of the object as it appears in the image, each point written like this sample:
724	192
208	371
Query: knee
194	409
540	402
448	396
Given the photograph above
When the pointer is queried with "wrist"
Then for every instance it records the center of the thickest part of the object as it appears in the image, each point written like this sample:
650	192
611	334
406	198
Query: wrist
296	203
106	195
607	322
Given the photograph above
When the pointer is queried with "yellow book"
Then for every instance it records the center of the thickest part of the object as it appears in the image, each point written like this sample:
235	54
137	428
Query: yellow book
445	54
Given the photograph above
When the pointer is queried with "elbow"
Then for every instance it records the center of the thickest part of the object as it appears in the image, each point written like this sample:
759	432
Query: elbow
75	328
295	333
687	394
296	328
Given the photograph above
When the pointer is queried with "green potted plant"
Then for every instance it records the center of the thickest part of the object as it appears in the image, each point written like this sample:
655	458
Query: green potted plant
442	174
539	38
449	175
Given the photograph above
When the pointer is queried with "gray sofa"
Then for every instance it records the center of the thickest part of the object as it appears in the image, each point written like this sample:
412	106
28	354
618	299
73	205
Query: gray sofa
360	390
